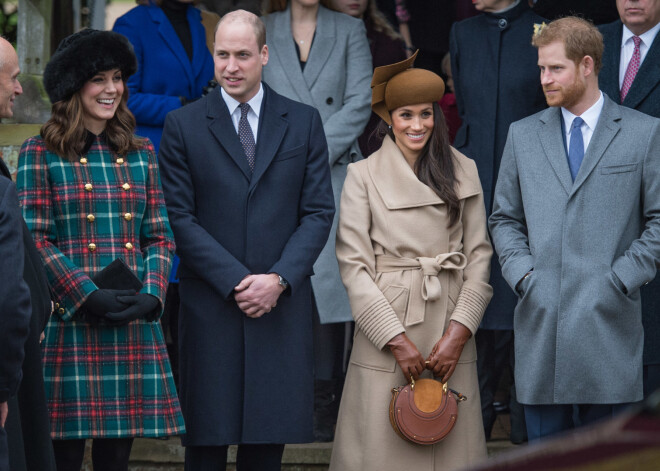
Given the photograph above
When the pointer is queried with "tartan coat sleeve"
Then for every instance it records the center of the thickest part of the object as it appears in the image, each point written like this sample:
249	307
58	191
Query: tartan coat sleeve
156	238
69	283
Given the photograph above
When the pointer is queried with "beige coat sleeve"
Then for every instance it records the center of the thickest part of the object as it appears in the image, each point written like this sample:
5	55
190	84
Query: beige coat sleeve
357	264
476	292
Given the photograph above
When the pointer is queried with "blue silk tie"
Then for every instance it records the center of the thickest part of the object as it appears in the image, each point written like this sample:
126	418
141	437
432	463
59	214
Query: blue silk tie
576	147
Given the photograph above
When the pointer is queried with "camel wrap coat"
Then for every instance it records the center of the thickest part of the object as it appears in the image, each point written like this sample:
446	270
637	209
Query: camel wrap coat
406	270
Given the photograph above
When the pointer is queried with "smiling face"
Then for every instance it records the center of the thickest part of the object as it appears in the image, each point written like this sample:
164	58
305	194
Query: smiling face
355	8
639	15
100	98
562	79
238	60
10	87
412	127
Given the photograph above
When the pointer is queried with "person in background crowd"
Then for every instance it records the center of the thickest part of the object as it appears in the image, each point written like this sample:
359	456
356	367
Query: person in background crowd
597	11
14	291
27	427
496	81
417	292
576	222
386	47
631	77
321	57
246	178
174	65
91	197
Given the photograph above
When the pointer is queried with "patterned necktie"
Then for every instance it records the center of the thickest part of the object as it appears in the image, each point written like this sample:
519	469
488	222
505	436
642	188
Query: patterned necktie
633	67
576	148
245	135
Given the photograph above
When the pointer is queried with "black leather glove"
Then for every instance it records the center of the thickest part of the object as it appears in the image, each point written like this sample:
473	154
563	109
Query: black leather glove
101	302
139	306
208	88
407	356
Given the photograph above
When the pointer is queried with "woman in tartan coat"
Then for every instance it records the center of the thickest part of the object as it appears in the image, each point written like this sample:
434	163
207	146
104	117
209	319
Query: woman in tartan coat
91	193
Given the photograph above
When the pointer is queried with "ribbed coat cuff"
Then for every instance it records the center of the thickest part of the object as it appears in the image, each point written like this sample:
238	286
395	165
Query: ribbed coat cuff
379	323
471	305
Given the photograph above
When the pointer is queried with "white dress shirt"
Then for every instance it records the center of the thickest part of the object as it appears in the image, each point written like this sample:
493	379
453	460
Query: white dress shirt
628	46
253	114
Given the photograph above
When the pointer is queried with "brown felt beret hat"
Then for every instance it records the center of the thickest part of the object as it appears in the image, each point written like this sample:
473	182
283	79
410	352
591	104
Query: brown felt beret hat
397	85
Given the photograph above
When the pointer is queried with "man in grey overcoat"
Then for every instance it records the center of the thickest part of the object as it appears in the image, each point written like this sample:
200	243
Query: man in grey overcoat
576	224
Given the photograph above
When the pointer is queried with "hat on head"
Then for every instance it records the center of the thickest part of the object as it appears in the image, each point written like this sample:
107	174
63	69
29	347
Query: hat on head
82	55
396	85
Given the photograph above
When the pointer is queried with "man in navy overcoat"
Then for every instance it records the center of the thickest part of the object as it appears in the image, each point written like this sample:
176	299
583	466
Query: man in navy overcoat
250	202
638	18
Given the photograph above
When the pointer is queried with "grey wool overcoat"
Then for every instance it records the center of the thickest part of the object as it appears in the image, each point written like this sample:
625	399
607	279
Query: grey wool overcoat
336	81
591	244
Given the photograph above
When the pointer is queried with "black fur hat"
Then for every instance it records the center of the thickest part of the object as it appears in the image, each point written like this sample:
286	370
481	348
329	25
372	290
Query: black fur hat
81	56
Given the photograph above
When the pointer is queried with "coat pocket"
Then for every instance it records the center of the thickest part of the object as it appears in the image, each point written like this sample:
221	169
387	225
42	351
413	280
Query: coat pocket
397	296
610	169
366	355
290	153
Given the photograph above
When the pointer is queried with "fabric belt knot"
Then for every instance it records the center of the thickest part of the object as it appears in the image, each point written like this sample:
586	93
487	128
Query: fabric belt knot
426	282
431	268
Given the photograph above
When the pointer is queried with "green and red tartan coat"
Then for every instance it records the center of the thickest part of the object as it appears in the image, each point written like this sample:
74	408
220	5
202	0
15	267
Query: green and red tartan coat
101	381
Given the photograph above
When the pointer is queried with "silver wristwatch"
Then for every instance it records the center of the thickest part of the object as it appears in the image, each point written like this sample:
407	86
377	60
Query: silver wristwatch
283	283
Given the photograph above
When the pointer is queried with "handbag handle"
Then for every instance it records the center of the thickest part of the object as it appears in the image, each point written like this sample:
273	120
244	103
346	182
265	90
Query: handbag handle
459	397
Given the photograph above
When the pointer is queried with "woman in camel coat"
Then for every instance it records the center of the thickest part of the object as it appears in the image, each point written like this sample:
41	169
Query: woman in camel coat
414	256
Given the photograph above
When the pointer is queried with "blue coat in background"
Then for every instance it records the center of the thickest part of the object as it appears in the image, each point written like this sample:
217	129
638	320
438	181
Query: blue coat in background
644	96
165	73
496	80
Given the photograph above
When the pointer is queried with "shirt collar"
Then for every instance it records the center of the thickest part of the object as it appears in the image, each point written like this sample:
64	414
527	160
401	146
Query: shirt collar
647	38
254	102
590	117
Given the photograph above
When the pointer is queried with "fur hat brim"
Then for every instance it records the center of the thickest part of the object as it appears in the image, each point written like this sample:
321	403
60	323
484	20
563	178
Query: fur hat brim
81	56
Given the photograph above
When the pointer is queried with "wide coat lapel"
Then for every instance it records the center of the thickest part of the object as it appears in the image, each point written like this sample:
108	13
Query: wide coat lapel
272	127
647	77
398	186
170	38
283	48
324	42
222	127
605	131
553	145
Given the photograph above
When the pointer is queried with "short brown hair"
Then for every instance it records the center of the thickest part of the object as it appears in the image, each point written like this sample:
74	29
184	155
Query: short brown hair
249	18
580	37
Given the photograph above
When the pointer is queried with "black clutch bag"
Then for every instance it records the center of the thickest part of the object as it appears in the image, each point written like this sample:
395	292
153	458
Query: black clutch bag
117	275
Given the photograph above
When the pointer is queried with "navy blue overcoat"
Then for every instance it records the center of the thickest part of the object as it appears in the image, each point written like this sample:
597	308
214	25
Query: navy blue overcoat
246	380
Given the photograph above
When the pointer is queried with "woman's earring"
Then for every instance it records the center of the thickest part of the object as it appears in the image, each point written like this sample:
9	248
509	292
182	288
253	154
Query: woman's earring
389	126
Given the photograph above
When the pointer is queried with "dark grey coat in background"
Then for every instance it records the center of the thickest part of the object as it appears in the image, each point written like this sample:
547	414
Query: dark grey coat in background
644	96
578	336
496	78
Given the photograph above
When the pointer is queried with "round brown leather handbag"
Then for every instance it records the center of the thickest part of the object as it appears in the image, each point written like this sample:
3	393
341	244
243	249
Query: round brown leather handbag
424	411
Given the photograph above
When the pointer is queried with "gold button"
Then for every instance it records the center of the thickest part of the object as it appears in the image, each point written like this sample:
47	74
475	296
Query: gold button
126	186
120	161
91	247
88	187
83	160
91	217
128	216
61	311
57	305
129	246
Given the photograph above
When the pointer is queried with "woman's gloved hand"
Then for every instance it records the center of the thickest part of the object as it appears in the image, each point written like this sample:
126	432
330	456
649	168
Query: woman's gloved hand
137	306
446	352
101	302
407	356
